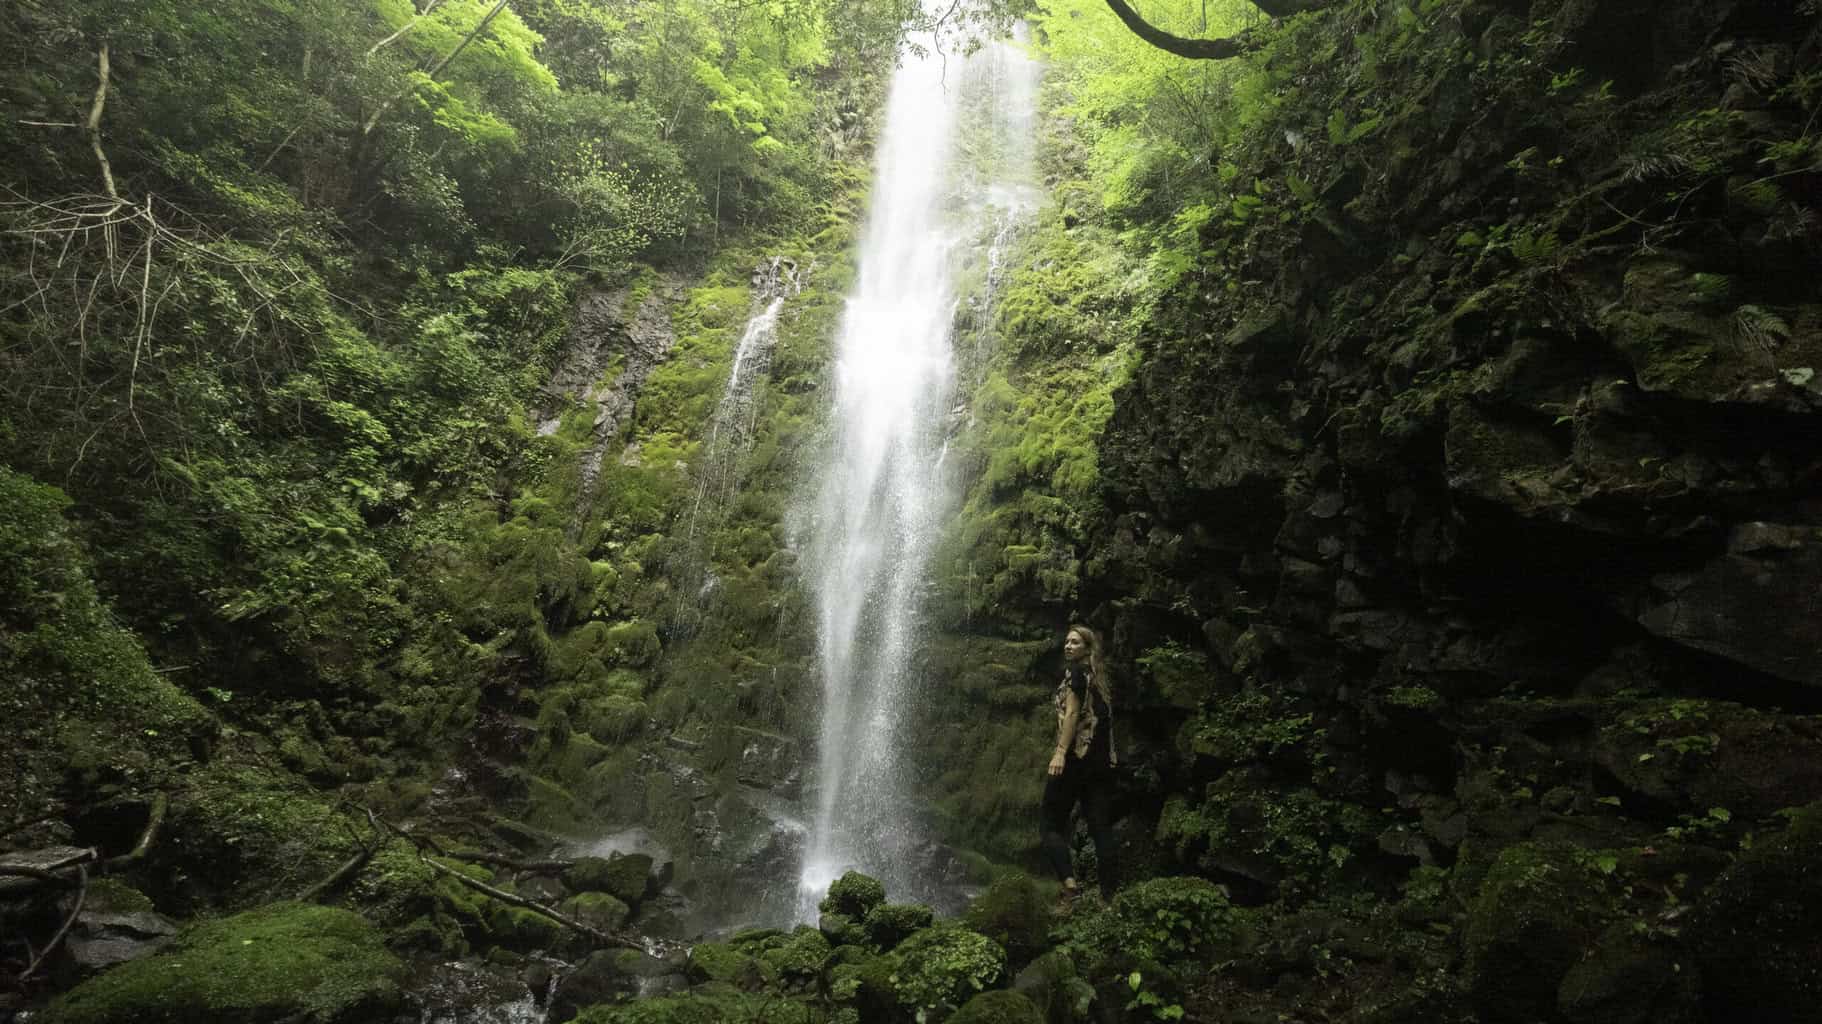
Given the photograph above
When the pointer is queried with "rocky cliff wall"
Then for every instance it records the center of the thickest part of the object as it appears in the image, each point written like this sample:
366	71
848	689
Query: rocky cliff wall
1457	514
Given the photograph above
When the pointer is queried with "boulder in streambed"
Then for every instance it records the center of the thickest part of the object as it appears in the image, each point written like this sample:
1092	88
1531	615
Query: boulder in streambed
612	976
625	876
286	961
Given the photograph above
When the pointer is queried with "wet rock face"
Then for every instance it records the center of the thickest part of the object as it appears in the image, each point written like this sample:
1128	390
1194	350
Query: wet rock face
99	940
1482	520
1757	603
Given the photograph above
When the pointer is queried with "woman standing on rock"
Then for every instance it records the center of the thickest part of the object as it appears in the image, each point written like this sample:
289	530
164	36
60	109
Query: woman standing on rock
1082	762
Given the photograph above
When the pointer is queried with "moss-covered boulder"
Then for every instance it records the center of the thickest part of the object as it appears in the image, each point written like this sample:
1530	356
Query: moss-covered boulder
854	895
287	961
1627	979
997	1007
891	923
841	930
1052	984
1757	931
726	963
1539	908
709	1006
800	956
608	976
624	877
522	930
599	910
1016	912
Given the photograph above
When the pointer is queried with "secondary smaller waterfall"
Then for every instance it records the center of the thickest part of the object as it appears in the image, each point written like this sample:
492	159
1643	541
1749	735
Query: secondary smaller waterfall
730	438
731	431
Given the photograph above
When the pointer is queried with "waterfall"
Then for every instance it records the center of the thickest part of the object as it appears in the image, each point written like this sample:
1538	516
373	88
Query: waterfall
730	438
955	149
731	431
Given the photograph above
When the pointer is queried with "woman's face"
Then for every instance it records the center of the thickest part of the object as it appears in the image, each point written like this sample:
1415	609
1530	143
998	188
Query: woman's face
1074	647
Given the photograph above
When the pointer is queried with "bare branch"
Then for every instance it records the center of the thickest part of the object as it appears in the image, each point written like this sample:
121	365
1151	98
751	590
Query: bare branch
408	26
1209	49
82	893
94	125
604	938
351	867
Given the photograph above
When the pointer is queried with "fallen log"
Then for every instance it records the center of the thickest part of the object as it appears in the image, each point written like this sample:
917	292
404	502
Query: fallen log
604	938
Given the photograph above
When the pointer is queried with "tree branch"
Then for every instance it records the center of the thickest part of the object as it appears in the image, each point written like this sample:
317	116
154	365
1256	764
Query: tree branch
480	27
408	26
1209	49
82	892
1286	8
94	124
348	870
1194	49
154	820
604	938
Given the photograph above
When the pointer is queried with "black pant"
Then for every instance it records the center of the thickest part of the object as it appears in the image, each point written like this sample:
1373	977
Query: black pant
1092	785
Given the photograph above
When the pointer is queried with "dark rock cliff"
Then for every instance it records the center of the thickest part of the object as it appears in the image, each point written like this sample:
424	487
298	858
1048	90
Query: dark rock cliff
1463	522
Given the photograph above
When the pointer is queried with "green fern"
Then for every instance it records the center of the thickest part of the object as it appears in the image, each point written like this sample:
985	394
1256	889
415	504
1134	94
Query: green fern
1536	249
1710	289
1759	326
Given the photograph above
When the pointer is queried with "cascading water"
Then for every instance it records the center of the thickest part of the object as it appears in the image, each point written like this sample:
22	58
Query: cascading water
730	439
942	180
731	431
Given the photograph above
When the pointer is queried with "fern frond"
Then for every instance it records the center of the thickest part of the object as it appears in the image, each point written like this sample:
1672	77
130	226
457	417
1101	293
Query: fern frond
1759	326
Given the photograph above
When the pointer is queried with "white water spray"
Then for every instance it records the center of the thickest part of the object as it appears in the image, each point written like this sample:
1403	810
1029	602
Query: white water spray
955	147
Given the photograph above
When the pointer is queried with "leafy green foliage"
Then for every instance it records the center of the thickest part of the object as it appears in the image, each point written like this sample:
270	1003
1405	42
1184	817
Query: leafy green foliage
1166	920
943	967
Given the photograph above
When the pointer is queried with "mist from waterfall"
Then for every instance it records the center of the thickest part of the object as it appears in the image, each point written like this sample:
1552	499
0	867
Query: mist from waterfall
953	168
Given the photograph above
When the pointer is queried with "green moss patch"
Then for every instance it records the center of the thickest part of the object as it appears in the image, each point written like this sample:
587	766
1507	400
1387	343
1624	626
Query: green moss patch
286	961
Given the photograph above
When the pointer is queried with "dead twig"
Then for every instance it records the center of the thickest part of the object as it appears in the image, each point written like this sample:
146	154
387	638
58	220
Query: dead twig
536	867
82	892
348	870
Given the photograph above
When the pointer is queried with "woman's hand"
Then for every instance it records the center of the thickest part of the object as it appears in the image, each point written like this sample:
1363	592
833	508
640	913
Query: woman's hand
1056	763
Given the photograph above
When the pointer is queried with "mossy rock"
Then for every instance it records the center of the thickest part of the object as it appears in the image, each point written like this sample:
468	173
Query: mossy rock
1016	912
287	961
113	896
854	895
1628	979
998	1007
524	930
801	956
890	923
722	962
624	876
1540	906
396	887
1052	984
841	930
703	1007
1757	931
599	910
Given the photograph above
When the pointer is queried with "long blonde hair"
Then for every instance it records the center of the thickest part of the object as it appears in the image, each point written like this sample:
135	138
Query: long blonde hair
1097	671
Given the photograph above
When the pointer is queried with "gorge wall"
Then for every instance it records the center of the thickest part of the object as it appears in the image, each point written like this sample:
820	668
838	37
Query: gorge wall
1453	521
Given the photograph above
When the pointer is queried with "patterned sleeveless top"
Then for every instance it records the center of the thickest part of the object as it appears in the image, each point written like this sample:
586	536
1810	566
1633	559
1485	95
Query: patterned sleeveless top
1088	722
